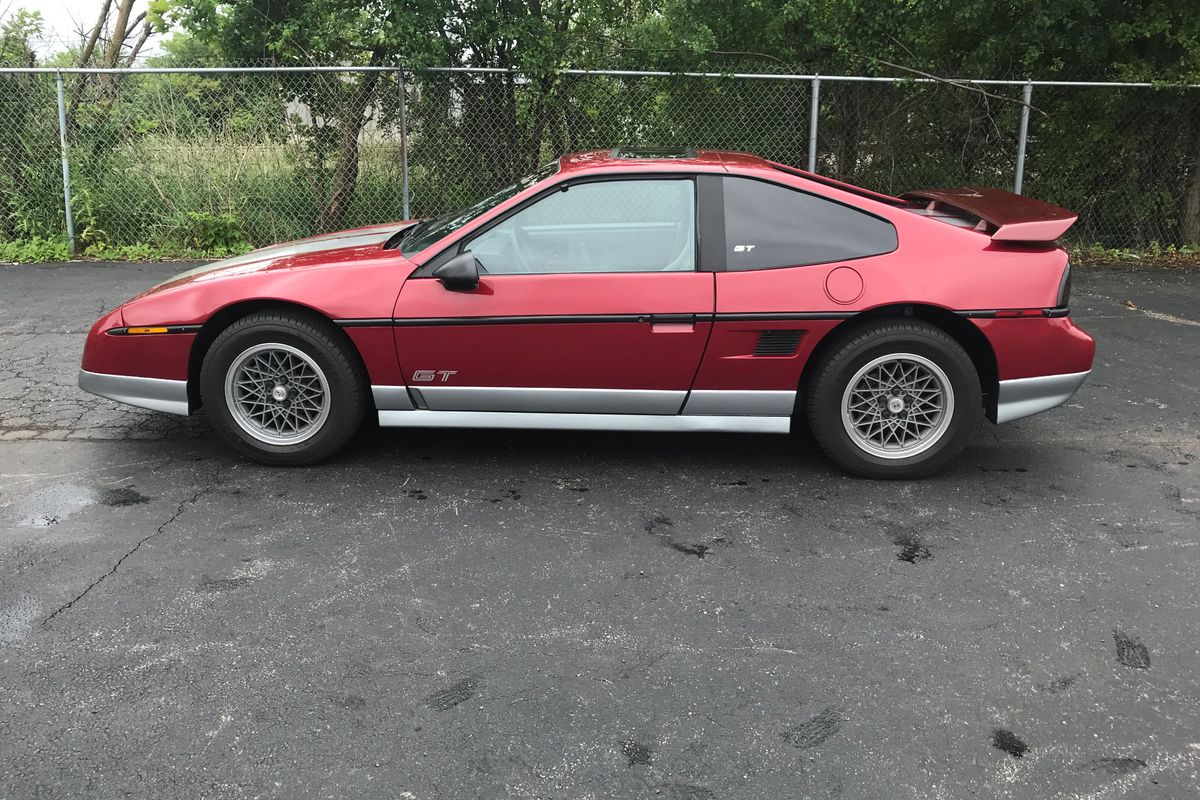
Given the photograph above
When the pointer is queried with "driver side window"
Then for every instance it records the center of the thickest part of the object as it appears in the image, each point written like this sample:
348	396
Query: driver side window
607	226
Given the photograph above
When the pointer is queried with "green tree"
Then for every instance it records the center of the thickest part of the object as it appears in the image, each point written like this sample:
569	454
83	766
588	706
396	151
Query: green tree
316	32
30	189
1106	154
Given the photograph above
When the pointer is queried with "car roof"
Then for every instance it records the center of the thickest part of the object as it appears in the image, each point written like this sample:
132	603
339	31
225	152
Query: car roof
658	156
666	159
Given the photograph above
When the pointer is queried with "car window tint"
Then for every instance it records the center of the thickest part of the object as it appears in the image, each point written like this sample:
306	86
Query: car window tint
769	226
609	226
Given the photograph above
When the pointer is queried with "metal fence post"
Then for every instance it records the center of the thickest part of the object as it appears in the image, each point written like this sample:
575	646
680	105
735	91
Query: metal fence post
1026	95
66	161
814	111
403	144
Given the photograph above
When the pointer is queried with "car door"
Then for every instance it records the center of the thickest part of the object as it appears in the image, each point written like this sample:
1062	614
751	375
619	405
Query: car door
588	301
794	265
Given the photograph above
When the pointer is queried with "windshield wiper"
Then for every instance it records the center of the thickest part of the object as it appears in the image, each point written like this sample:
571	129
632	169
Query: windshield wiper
399	236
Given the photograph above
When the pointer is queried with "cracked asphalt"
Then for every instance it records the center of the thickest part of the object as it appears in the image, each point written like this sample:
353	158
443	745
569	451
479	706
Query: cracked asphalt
441	614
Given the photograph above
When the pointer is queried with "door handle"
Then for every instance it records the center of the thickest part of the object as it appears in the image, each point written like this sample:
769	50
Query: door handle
672	323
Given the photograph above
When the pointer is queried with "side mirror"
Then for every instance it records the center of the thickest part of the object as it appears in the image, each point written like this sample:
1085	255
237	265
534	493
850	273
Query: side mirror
459	274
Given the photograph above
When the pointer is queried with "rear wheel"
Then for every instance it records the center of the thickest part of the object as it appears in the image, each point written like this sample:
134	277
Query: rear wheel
283	388
894	399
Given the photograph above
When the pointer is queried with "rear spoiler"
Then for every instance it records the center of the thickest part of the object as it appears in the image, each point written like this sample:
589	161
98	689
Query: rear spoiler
1005	216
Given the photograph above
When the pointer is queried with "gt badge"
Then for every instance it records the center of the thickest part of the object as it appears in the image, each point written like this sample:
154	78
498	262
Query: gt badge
429	375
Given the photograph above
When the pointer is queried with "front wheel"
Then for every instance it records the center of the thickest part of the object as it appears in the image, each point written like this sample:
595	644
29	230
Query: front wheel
894	399
283	389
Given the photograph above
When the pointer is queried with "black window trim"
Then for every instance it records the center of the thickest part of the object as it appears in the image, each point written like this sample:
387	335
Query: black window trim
724	261
710	222
456	247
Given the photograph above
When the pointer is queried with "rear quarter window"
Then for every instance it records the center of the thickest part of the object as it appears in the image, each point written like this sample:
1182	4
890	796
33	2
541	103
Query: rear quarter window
768	226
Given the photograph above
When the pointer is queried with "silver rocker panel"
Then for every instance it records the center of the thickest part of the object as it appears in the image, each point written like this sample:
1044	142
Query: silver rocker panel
550	400
733	402
583	422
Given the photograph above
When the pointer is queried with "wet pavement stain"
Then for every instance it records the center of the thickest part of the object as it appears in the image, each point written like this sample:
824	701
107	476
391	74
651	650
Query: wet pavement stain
655	523
811	734
1115	766
912	548
348	701
683	791
121	496
208	584
1009	742
655	526
454	694
1130	650
636	752
1060	684
697	550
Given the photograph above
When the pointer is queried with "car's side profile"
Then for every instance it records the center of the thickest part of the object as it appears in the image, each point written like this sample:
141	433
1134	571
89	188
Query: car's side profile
631	291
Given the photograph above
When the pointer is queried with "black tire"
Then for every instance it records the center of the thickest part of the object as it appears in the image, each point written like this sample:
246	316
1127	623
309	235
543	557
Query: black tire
313	338
859	348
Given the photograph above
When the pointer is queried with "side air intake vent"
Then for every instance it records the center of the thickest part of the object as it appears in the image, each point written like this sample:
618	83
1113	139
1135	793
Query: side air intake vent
777	343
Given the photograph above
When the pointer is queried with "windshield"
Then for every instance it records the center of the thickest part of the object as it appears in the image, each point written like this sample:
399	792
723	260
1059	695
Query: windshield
427	232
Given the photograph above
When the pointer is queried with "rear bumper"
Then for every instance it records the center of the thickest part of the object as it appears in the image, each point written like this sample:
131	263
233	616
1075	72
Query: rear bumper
157	394
1024	397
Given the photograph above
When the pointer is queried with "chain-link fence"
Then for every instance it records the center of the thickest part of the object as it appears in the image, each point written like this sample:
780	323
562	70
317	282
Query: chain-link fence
213	159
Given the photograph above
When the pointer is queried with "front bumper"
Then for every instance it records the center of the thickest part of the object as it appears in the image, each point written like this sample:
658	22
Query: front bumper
157	394
1024	397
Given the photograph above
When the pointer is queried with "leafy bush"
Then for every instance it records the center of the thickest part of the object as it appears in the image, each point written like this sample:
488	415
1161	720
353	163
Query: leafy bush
39	250
34	250
200	230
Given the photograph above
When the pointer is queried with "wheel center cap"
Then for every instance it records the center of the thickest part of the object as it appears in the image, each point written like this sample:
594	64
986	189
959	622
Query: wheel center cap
279	393
895	404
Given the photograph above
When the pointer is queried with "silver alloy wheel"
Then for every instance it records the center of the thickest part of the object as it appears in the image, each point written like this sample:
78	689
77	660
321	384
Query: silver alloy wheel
897	406
277	394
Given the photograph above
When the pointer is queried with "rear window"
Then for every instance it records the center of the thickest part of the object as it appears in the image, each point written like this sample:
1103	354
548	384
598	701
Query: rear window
768	226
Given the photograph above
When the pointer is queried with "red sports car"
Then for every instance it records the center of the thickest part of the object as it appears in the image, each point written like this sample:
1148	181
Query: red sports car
627	290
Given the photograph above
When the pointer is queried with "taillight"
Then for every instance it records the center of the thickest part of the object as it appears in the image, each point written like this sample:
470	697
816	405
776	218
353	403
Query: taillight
1064	287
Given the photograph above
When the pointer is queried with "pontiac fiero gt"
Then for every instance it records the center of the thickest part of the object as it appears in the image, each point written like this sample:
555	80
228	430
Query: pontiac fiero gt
627	290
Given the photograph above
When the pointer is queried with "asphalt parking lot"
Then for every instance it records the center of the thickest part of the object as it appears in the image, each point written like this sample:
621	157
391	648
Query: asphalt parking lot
459	615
